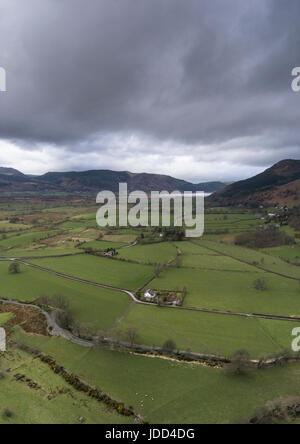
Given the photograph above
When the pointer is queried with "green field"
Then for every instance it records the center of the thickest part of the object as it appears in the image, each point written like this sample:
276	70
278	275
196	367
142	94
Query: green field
6	226
29	406
233	291
4	317
270	263
169	392
94	306
40	251
207	262
23	240
101	270
154	253
123	238
291	253
216	274
206	332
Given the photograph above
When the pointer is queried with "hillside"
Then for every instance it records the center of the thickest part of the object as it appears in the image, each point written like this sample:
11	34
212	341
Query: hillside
10	172
278	184
98	180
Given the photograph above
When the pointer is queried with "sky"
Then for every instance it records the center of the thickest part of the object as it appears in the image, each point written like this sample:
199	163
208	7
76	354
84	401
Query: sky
196	89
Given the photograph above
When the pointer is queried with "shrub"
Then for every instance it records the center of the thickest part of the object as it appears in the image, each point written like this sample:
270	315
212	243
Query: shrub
14	268
6	412
260	284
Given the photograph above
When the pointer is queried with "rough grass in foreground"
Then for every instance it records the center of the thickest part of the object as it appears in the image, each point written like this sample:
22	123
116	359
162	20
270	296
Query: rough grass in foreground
54	403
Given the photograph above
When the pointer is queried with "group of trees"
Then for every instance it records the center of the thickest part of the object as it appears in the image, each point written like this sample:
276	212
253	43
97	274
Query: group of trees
59	306
267	237
173	233
131	336
260	284
294	218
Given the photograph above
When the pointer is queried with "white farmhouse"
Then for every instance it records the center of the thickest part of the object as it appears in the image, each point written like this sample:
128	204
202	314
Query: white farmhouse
150	295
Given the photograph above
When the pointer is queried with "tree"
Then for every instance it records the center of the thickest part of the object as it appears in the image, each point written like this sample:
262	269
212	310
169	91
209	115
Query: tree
132	335
14	268
64	319
158	270
83	331
59	301
260	284
44	300
178	260
6	413
240	363
169	346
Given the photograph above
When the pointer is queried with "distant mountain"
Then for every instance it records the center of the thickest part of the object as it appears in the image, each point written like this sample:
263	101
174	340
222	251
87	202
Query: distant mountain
10	172
98	180
277	185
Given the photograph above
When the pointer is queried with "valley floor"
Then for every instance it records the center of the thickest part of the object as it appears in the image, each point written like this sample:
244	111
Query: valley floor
63	253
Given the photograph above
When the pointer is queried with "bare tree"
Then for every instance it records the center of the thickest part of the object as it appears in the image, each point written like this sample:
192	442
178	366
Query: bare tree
64	319
158	270
132	335
60	301
240	363
169	346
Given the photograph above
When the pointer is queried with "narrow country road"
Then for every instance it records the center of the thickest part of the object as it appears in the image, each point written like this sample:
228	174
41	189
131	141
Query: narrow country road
137	301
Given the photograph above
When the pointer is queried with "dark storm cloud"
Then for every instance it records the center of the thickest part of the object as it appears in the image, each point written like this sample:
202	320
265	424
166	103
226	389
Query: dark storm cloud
206	79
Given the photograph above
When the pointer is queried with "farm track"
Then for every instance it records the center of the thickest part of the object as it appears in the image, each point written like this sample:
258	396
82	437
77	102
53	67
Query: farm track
137	301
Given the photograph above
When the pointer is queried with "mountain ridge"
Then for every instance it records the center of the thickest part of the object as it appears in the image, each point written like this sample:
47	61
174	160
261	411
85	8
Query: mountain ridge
98	180
276	185
10	172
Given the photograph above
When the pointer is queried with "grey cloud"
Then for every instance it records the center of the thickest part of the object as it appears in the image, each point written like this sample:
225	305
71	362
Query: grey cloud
190	77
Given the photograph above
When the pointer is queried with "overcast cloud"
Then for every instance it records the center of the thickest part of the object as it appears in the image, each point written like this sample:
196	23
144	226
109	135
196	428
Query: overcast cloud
197	89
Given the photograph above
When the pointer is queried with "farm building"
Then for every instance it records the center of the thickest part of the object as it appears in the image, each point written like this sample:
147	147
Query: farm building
150	295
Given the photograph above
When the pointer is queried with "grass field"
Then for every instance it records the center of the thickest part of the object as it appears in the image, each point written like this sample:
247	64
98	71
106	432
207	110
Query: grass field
29	406
214	263
169	392
123	238
6	226
26	239
217	275
40	251
291	253
94	306
270	263
102	270
154	253
4	317
233	291
206	332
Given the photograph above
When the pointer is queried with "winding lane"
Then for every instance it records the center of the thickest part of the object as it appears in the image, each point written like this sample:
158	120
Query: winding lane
137	301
